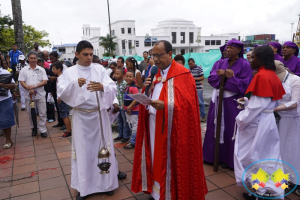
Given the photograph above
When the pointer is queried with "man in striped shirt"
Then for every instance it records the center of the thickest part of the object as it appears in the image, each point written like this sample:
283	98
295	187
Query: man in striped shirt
198	75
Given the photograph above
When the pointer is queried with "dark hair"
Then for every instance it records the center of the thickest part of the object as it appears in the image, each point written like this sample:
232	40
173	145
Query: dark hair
15	44
167	45
113	63
94	58
41	55
54	54
179	57
134	62
122	59
58	65
114	56
191	59
121	69
145	52
75	59
32	53
83	44
149	51
266	56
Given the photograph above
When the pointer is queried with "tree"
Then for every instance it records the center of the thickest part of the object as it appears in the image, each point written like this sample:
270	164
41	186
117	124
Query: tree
18	23
108	44
31	35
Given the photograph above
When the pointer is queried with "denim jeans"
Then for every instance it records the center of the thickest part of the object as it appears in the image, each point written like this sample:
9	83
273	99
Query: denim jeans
132	122
201	103
124	131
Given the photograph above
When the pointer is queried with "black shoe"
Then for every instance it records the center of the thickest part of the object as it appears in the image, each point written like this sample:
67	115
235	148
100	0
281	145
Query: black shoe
129	146
22	109
110	193
33	132
79	197
250	196
121	175
44	135
118	138
57	125
225	166
124	140
66	134
151	198
63	127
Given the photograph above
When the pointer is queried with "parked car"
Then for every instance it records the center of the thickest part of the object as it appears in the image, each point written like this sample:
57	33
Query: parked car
104	62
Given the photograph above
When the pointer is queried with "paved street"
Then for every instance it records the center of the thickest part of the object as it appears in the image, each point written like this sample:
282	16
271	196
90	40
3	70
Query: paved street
46	163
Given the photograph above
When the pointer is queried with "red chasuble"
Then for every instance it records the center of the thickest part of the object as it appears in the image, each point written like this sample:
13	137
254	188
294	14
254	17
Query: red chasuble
266	84
178	162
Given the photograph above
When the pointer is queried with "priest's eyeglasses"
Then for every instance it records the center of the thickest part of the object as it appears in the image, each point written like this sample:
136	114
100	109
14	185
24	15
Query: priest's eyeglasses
158	55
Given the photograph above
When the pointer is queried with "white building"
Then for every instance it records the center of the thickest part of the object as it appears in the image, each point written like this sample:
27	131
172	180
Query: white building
92	34
184	36
128	42
65	51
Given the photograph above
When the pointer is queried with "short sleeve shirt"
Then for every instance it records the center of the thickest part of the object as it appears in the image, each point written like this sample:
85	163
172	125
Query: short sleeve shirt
197	72
33	77
3	71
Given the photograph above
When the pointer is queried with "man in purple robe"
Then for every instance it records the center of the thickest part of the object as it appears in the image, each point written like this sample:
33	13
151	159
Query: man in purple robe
238	75
276	47
290	52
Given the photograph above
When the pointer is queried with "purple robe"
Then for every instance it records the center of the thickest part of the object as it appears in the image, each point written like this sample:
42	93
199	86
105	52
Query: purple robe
278	57
237	84
293	64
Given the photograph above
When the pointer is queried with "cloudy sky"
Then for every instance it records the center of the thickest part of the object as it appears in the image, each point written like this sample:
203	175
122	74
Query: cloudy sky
63	19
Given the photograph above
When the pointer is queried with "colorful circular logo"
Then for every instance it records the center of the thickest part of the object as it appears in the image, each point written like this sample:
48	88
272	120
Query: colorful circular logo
270	178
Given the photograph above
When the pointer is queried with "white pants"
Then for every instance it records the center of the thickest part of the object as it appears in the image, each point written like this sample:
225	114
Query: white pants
41	105
22	91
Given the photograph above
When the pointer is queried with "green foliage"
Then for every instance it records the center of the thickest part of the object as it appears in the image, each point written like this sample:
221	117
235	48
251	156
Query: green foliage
31	35
108	44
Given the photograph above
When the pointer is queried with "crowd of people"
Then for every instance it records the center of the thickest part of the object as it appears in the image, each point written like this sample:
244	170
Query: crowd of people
166	133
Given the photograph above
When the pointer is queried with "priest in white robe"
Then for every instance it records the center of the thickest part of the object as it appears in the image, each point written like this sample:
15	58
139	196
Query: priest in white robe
75	87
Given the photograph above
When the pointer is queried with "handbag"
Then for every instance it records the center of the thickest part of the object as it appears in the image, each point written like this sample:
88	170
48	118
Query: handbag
6	79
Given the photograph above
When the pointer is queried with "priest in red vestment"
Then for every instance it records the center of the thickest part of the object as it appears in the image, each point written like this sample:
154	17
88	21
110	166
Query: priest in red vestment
168	159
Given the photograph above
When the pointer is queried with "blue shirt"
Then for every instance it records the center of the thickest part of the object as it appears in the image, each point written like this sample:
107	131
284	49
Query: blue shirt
14	56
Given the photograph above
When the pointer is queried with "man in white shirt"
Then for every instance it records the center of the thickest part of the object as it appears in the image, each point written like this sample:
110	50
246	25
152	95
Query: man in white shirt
33	78
19	67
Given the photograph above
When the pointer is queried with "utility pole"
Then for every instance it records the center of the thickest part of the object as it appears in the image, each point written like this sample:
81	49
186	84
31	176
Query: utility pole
109	27
292	31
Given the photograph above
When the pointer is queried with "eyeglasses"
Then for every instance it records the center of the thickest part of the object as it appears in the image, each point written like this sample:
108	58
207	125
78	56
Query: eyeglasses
158	55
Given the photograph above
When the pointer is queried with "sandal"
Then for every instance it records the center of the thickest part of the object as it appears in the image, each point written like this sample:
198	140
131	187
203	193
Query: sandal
8	145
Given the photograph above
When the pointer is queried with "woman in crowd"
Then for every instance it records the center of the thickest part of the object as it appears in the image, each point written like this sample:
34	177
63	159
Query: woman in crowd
257	136
132	64
7	118
289	124
276	47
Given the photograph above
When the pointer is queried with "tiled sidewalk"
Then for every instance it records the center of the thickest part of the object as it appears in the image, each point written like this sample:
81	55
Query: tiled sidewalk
47	162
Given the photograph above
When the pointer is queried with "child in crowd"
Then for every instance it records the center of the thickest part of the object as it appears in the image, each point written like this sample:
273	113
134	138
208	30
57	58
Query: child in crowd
132	64
57	69
122	123
131	107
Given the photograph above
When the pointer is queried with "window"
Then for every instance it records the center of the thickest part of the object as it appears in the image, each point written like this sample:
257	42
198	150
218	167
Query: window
113	32
191	37
206	50
182	37
182	51
137	43
226	41
122	30
89	31
174	51
207	42
218	42
191	50
133	31
130	44
213	42
129	30
173	37
123	44
83	31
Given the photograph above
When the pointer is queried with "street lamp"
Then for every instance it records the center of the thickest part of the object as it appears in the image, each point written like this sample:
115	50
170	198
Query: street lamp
292	30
